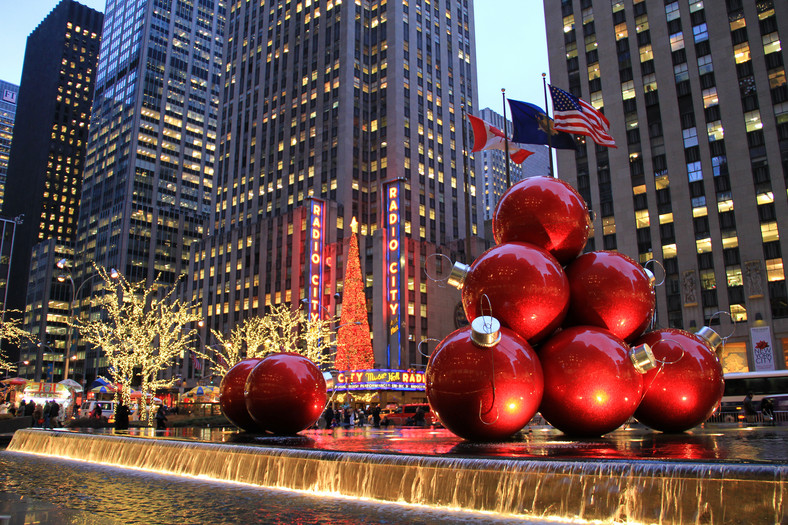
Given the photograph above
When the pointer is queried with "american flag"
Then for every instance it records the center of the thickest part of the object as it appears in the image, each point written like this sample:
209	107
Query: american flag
574	115
196	364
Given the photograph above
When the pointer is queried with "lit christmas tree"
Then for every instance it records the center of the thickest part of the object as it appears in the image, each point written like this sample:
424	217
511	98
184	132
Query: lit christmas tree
354	346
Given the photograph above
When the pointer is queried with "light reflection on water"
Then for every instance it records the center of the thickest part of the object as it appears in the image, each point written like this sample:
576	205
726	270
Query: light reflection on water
36	489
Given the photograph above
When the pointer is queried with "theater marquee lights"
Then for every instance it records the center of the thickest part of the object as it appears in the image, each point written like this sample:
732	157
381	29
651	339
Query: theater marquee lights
380	379
393	273
315	250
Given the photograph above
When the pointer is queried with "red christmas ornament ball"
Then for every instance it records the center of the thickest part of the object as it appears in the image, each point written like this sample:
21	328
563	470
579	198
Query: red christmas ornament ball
591	386
546	212
231	395
526	287
285	393
484	393
611	291
687	385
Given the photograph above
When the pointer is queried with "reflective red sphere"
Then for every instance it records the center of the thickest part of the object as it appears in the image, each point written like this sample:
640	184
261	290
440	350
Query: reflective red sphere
527	289
285	393
609	290
484	393
684	391
590	384
231	395
546	212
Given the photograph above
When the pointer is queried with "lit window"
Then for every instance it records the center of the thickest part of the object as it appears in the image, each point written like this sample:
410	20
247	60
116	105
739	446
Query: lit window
696	6
668	251
608	225
666	218
593	71
621	31
714	130
672	11
677	41
766	197
700	32
569	23
769	231
681	72
710	97
705	65
771	43
724	202
703	245
707	280
730	240
733	275
752	120
738	22
774	270
646	53
776	77
741	52
641	219
690	138
628	90
650	83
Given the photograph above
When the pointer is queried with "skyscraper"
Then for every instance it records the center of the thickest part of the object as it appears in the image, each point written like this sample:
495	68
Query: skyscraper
47	159
333	111
150	156
8	96
697	100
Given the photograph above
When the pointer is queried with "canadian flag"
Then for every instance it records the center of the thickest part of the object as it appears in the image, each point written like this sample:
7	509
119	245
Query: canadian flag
487	136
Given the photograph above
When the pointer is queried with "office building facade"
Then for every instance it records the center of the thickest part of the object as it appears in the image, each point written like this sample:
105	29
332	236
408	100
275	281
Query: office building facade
150	155
696	96
333	111
46	161
8	95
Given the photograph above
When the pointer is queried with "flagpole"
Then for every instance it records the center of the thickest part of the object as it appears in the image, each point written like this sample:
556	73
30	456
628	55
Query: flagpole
506	139
549	134
468	257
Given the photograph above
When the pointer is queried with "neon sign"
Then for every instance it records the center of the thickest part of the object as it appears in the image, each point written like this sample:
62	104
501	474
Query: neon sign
383	379
316	244
393	278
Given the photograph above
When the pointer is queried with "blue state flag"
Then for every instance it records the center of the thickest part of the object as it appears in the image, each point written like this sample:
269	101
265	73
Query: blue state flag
531	125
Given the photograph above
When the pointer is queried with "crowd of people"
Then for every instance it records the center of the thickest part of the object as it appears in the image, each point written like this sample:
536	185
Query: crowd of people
46	415
347	417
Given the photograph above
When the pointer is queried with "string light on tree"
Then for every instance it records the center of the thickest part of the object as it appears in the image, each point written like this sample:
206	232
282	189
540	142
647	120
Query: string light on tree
354	346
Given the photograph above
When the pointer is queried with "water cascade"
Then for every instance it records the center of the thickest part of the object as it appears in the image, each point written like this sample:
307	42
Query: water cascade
607	490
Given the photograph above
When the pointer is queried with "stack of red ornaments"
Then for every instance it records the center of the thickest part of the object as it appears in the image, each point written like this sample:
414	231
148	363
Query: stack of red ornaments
584	316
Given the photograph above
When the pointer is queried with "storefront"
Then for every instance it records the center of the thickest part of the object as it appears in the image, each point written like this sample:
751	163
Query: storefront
387	387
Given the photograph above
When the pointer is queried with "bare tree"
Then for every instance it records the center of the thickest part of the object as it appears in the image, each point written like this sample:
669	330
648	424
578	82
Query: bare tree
143	333
284	329
11	331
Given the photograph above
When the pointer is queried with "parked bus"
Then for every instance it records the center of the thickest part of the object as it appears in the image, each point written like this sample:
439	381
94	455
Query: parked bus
772	384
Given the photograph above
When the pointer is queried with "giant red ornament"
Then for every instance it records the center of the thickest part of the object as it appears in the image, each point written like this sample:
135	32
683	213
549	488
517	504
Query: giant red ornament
481	388
231	395
591	385
546	212
688	385
285	393
609	290
526	288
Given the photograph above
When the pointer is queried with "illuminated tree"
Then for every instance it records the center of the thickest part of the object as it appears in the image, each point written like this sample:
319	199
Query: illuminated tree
282	330
354	346
11	332
142	334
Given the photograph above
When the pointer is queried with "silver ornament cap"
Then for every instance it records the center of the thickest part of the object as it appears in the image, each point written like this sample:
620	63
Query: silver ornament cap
457	275
711	337
642	358
486	331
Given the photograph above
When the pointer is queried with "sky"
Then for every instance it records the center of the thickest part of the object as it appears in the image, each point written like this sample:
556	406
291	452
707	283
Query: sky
511	54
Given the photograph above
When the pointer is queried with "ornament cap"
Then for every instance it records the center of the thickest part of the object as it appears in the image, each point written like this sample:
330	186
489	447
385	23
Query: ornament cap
486	331
711	337
642	358
457	276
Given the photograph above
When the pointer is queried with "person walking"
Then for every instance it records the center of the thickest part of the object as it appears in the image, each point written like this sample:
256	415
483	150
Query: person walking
122	417
767	409
54	414
749	408
47	408
161	418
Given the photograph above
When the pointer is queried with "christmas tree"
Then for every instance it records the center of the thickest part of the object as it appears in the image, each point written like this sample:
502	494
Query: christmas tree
354	346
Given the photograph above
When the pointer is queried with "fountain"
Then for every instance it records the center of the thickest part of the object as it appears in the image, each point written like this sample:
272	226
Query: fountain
622	489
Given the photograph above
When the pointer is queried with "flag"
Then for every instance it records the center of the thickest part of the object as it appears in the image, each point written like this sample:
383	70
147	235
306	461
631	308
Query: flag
487	136
574	115
195	362
531	125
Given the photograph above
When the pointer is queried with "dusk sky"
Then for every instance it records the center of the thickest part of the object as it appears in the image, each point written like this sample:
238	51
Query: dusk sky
511	52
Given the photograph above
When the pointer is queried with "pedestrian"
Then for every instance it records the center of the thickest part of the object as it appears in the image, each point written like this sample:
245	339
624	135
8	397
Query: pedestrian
5	406
29	408
767	409
328	416
38	414
376	416
122	417
54	414
96	412
20	409
46	411
161	418
749	408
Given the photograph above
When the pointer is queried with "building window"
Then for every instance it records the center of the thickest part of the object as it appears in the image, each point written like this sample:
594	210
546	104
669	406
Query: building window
677	41
672	11
752	120
771	43
710	97
741	53
774	270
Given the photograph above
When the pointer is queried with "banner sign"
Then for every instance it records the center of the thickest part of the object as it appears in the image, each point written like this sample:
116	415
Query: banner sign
762	353
393	288
316	243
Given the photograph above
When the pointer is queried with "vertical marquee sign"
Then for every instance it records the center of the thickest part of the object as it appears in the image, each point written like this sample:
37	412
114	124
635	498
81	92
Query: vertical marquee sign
316	244
393	248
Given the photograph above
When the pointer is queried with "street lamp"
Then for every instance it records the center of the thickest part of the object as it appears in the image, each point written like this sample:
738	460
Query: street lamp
63	277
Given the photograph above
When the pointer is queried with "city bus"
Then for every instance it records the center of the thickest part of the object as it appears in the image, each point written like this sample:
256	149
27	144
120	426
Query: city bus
772	384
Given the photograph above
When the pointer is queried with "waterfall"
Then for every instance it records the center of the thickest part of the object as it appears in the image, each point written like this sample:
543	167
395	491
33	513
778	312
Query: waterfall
608	490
